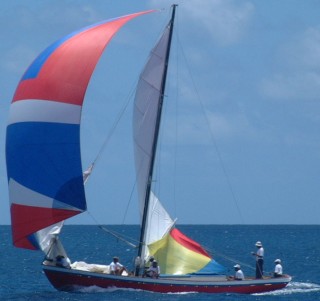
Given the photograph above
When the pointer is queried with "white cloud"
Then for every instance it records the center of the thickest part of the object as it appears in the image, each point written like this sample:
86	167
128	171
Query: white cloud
227	126
300	85
225	20
304	50
60	12
197	129
298	75
15	60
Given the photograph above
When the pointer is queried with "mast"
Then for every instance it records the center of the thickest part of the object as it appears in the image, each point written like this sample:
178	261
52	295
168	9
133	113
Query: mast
154	146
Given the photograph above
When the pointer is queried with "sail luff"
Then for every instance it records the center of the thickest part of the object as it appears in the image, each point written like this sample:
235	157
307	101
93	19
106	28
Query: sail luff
155	140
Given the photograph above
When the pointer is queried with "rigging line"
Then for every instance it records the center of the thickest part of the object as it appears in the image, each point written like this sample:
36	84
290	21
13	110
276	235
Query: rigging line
106	141
214	140
236	261
229	258
129	202
157	180
115	124
117	235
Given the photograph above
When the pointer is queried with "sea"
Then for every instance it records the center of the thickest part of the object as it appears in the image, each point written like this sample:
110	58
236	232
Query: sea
298	246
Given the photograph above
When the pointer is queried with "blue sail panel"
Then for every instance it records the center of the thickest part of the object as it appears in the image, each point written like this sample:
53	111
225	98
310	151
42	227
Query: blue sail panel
51	150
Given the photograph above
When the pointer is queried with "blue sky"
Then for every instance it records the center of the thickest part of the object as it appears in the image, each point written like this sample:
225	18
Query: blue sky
256	68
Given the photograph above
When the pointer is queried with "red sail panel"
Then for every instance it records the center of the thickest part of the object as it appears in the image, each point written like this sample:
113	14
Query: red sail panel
62	71
27	220
188	242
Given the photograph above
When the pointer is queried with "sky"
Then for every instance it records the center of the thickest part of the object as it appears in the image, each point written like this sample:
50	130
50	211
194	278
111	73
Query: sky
248	80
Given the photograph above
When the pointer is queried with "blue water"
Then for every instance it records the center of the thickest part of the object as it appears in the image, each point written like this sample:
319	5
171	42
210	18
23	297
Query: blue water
22	279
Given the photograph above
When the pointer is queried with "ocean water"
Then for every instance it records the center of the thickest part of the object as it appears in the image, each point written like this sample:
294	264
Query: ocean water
22	279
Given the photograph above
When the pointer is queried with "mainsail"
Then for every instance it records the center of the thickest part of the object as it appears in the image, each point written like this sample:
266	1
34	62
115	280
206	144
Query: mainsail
43	134
177	253
147	102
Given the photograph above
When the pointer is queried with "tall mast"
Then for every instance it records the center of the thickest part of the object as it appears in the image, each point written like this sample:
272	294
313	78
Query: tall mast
156	134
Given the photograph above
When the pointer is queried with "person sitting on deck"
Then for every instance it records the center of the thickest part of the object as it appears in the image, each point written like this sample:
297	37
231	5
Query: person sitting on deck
116	268
238	275
63	262
148	264
277	268
153	271
150	261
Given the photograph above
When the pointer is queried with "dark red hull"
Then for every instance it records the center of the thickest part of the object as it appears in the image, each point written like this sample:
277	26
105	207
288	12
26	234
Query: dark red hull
70	280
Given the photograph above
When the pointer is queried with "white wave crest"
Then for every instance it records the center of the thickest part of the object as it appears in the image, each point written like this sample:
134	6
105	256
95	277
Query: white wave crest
97	289
294	288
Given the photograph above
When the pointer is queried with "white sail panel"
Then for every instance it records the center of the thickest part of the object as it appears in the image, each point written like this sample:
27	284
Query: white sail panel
145	113
159	221
46	236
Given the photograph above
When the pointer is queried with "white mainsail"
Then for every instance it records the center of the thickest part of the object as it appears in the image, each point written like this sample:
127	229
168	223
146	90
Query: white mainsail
145	122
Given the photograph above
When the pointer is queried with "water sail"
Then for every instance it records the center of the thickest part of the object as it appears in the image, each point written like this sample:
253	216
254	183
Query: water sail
180	255
44	169
158	237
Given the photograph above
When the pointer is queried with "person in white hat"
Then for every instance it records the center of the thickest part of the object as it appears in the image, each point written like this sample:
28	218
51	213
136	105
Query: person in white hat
238	273
153	271
116	268
259	259
278	268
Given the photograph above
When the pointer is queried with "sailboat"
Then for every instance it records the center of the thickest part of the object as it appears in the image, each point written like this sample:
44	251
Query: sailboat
46	180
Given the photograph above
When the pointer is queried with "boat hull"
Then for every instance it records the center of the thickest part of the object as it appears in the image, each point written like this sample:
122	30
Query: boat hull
72	280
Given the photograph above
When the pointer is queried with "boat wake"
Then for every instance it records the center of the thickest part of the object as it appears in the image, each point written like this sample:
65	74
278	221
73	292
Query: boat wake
295	288
97	289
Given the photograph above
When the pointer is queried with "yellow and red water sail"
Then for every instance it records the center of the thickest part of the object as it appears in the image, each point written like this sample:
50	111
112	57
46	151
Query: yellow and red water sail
177	254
